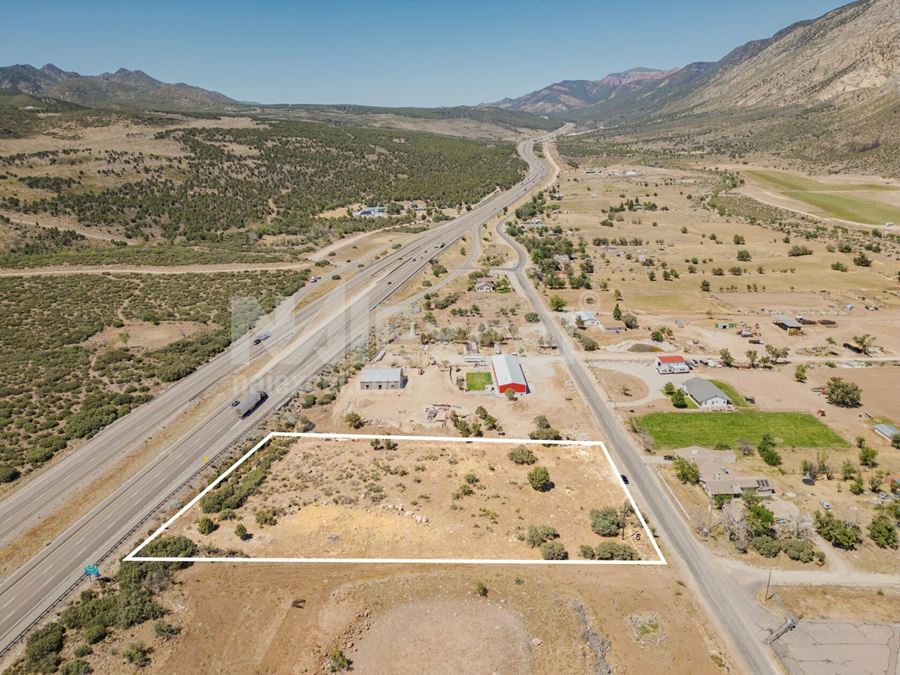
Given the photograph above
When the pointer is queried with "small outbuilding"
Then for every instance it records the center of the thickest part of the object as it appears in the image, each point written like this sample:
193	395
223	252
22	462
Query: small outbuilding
380	379
785	322
705	394
508	374
888	431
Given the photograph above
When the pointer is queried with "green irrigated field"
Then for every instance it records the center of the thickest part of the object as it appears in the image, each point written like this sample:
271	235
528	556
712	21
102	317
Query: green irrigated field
835	201
478	381
679	430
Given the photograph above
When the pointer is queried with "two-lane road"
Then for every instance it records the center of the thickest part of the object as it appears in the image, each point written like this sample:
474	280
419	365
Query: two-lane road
728	604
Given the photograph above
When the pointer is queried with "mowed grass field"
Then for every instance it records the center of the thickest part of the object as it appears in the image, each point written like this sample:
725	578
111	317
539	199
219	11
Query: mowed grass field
834	200
478	381
679	430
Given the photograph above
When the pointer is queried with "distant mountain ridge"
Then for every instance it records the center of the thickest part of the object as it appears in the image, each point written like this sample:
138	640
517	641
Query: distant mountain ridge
126	89
570	95
849	54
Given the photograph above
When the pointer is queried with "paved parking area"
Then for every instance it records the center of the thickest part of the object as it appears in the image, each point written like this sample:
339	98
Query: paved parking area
840	648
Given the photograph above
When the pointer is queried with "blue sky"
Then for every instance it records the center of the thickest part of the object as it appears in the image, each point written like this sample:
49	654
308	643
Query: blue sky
384	52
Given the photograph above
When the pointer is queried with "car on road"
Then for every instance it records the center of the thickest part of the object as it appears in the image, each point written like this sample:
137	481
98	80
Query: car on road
624	478
260	337
825	505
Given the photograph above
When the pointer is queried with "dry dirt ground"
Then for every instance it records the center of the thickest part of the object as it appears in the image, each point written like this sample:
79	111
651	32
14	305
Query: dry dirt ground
423	620
344	499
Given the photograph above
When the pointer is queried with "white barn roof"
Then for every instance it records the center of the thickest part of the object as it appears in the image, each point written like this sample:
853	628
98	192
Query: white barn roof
381	375
508	370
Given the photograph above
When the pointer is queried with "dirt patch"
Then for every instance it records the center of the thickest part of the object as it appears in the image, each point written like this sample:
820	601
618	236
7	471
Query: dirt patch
440	636
147	335
289	618
621	387
848	604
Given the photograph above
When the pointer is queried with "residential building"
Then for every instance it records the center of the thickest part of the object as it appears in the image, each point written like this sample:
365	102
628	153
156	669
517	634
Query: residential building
705	394
379	379
485	285
671	363
588	319
609	325
508	374
718	478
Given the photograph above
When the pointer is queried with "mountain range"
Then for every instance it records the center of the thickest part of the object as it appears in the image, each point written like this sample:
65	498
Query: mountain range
845	56
126	89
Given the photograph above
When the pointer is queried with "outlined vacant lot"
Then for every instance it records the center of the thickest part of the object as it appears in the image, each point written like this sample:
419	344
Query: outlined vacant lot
334	500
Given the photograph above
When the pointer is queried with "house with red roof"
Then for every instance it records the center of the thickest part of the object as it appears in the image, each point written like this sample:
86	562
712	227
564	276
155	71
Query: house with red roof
671	363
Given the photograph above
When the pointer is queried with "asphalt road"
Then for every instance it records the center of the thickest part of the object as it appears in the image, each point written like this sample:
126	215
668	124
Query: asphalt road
727	604
301	343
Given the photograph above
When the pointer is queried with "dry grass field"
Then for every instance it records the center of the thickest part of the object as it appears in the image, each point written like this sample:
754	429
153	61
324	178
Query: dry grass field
347	499
406	620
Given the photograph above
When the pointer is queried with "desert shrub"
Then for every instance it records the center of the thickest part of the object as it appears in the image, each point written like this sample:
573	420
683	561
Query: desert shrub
266	516
337	661
539	478
799	549
138	654
611	550
553	550
43	648
165	631
538	534
607	521
94	633
766	546
76	667
206	526
522	455
8	473
587	552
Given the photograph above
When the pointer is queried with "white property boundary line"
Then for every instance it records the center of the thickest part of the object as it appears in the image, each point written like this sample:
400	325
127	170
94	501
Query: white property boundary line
134	557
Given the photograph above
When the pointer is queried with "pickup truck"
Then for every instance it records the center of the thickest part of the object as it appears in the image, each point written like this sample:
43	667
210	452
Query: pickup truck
265	335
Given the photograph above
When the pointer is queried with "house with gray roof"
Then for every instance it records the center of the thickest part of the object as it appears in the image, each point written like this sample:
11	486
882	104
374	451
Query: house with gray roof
705	394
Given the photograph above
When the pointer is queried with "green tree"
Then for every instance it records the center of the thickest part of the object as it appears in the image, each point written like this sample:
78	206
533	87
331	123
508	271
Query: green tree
240	531
353	420
704	286
868	457
883	531
206	526
678	399
841	393
687	472
726	358
557	303
800	373
539	478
